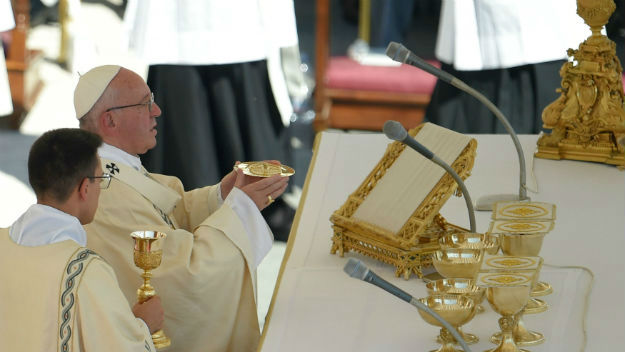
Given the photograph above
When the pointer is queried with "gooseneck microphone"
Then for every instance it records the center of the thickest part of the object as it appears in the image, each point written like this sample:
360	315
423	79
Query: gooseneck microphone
395	131
399	53
356	269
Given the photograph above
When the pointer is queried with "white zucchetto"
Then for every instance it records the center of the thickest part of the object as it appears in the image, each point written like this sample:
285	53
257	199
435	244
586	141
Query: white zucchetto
90	87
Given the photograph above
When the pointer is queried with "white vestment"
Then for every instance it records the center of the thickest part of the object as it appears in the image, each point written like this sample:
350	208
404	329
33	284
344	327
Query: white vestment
207	276
61	296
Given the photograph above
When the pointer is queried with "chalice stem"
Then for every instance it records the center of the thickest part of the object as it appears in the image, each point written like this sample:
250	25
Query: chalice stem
507	343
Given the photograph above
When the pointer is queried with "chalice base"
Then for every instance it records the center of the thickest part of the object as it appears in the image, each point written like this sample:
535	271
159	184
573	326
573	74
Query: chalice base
447	348
507	348
535	305
525	338
468	338
160	340
541	289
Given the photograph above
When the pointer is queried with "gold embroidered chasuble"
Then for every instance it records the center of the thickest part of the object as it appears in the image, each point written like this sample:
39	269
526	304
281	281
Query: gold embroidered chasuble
63	297
205	280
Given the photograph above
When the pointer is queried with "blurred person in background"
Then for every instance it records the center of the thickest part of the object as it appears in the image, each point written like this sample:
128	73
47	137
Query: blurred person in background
510	51
7	22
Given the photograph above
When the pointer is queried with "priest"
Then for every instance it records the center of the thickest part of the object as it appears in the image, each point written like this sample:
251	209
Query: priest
56	294
216	236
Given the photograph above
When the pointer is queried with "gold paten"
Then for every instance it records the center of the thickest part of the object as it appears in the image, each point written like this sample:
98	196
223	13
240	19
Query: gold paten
456	310
411	248
147	255
519	226
588	118
526	211
510	263
265	169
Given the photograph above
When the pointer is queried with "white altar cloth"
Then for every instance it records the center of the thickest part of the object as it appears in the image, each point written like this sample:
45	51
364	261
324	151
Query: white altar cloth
317	307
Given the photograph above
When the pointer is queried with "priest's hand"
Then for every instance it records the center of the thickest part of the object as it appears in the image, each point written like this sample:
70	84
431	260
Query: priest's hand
228	181
263	190
151	312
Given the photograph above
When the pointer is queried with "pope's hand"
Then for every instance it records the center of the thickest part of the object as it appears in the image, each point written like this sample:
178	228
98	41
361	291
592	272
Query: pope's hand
261	190
151	312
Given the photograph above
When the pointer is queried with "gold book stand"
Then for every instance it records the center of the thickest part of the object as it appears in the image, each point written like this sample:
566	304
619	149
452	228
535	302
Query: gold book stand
409	249
588	119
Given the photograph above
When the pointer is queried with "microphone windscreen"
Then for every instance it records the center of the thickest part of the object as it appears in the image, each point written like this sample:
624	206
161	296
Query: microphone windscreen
397	52
355	268
394	130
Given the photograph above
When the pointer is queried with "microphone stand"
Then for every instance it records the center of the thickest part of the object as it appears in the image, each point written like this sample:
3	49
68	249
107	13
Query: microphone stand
399	53
358	270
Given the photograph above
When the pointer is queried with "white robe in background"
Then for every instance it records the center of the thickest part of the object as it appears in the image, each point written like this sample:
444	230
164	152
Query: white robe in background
7	22
489	34
215	32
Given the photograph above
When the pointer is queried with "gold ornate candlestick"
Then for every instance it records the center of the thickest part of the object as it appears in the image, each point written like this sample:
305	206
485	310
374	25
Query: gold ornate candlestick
588	118
147	256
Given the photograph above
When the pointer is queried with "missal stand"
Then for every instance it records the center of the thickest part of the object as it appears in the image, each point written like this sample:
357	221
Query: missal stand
393	216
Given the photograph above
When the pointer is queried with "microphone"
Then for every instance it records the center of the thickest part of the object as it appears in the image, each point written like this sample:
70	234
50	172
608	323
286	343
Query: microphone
395	131
399	53
356	269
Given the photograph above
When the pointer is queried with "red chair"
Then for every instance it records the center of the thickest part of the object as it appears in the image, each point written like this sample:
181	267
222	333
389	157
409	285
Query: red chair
353	96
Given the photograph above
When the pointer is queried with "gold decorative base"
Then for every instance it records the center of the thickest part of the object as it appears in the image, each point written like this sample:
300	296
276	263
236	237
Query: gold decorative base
541	289
406	262
606	154
535	305
160	340
588	118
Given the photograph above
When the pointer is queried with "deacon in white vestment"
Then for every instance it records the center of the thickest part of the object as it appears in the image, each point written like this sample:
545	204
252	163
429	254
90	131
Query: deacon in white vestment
216	236
56	294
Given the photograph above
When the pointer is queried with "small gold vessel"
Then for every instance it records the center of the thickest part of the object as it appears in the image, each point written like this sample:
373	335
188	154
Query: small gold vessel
147	255
456	310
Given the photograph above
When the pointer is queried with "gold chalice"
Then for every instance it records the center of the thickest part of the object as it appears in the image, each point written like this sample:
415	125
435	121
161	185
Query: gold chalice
147	256
456	310
488	242
458	287
458	262
507	293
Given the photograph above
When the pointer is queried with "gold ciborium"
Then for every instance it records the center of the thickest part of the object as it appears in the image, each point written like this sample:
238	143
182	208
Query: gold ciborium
458	287
470	240
458	262
507	293
526	265
456	310
147	256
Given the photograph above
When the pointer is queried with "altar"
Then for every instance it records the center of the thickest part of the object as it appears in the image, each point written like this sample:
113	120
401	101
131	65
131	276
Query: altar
317	307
